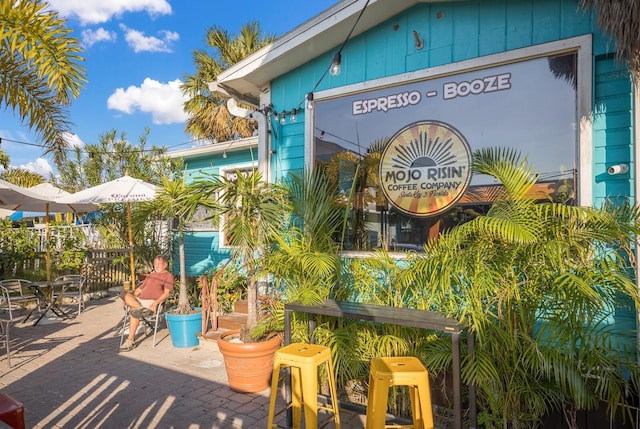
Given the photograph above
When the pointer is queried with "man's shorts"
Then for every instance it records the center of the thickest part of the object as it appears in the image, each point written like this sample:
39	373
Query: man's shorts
146	302
143	311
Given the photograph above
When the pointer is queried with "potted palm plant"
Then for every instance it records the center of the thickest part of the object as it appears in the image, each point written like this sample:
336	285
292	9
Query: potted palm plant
177	202
249	212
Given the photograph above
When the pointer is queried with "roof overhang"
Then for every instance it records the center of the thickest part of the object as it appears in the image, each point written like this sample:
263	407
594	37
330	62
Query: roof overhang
215	148
245	80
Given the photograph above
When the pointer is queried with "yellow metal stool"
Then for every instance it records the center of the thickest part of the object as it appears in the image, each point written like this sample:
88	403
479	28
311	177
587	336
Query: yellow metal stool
304	361
398	371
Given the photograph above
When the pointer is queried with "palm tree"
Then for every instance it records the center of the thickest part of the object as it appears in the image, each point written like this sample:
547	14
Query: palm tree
538	283
22	177
621	19
4	159
179	202
210	118
40	70
251	212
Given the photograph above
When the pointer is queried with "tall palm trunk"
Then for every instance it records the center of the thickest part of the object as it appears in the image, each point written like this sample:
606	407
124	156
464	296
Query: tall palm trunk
183	299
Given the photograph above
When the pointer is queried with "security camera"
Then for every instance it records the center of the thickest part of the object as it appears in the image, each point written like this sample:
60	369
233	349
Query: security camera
618	169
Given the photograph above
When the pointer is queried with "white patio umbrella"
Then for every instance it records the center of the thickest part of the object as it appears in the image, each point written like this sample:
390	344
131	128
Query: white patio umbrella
38	198
41	198
54	194
125	189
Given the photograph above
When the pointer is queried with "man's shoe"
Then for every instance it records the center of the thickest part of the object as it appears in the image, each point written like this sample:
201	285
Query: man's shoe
141	312
127	346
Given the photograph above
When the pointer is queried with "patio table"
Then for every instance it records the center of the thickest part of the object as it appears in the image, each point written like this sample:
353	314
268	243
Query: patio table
44	291
398	316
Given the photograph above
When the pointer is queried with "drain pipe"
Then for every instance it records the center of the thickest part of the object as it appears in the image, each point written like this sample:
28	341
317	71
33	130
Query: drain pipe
263	134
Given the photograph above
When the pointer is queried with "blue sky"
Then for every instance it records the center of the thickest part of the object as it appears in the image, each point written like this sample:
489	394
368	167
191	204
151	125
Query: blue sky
136	54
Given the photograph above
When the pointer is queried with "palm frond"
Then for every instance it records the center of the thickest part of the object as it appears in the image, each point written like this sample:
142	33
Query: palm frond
40	69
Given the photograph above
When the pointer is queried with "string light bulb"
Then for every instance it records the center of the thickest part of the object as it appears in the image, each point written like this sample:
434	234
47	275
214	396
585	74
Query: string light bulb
335	65
283	118
294	115
310	100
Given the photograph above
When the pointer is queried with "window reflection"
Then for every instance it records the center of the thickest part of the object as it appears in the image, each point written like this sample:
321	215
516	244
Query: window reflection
530	105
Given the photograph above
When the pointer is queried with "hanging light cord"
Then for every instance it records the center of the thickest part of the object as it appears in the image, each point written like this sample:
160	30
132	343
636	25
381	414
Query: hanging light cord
341	47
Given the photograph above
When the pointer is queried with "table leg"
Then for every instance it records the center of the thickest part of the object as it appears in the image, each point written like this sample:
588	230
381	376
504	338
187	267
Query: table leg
40	298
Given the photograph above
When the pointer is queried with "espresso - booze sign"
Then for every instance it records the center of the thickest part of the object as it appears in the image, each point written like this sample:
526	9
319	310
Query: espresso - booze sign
425	168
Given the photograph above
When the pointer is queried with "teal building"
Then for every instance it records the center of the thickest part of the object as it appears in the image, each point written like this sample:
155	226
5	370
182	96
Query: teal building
421	84
539	76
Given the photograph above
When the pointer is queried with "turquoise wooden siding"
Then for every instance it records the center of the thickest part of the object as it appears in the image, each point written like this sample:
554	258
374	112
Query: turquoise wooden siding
212	164
452	32
202	251
202	248
459	31
612	129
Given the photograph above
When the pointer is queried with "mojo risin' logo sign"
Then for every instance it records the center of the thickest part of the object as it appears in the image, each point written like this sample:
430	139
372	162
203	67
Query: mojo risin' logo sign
425	168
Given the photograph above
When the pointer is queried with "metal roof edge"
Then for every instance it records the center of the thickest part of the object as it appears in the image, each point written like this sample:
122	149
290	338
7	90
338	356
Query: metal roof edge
215	148
307	41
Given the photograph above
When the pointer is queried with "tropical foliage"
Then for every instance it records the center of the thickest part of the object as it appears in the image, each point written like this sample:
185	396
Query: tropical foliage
22	177
40	69
541	286
112	157
4	159
250	212
21	256
177	202
304	258
209	118
620	19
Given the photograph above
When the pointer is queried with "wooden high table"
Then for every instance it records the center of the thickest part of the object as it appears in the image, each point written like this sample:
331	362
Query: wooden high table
397	316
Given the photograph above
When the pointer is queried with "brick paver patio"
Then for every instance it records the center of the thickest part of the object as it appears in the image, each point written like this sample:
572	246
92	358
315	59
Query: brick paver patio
70	374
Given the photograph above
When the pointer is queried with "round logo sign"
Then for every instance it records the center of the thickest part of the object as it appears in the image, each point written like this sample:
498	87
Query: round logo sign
425	168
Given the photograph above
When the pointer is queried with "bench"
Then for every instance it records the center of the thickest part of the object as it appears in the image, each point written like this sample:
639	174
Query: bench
398	316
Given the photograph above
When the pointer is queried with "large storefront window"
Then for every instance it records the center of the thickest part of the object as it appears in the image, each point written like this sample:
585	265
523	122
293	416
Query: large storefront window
530	105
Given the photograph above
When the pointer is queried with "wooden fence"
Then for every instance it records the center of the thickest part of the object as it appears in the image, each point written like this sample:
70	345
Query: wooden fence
107	268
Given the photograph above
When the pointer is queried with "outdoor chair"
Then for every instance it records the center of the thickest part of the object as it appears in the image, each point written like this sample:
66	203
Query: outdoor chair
151	322
74	290
15	294
4	337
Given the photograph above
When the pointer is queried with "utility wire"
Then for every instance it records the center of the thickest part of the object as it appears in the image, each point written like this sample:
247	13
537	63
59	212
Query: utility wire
4	139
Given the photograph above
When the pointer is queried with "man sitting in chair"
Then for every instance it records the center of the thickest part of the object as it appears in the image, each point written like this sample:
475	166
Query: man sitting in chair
144	300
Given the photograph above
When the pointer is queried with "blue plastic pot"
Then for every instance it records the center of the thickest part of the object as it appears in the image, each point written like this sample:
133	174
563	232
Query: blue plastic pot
184	328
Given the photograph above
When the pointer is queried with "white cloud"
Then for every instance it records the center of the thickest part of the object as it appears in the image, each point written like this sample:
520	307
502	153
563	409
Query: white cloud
98	11
73	140
163	100
40	166
141	43
91	37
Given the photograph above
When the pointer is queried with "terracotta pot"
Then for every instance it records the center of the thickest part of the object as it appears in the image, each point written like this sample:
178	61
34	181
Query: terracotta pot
249	365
